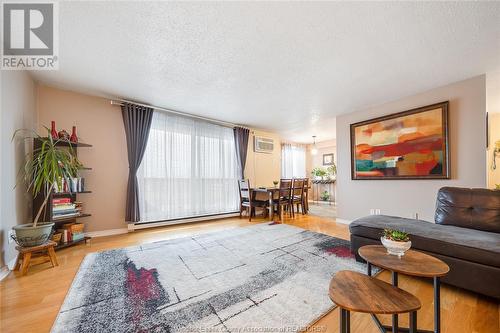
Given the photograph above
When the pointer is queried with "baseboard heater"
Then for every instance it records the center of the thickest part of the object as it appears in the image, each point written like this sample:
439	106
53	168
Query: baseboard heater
201	218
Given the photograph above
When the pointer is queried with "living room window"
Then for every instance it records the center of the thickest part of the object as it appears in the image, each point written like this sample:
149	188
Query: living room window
293	161
189	169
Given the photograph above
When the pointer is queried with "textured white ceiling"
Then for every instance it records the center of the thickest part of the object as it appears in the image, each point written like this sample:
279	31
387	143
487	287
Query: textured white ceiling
288	67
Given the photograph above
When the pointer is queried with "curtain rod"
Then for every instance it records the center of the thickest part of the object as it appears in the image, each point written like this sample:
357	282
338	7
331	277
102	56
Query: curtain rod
119	102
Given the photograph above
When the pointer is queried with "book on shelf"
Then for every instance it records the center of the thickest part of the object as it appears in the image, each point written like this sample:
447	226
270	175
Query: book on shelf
64	207
74	185
72	232
64	211
61	201
65	235
65	216
77	236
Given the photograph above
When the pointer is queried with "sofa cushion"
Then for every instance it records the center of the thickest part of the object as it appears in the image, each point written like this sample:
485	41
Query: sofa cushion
468	244
469	208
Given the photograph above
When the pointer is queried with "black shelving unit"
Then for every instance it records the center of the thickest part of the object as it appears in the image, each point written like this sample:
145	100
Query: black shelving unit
68	244
47	214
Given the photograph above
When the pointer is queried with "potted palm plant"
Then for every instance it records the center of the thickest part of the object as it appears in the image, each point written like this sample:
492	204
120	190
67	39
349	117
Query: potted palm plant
43	169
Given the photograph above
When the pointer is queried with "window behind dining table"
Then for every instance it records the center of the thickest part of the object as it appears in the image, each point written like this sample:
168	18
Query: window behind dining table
189	169
293	161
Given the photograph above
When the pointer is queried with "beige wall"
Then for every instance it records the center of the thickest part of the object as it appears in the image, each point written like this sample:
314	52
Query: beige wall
313	161
494	131
262	168
407	197
17	112
100	124
324	147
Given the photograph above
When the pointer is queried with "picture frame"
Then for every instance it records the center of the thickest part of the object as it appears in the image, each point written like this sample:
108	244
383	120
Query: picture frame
412	144
328	159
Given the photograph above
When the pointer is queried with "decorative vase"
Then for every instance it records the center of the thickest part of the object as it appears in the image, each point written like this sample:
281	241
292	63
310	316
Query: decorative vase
53	132
63	135
73	137
395	248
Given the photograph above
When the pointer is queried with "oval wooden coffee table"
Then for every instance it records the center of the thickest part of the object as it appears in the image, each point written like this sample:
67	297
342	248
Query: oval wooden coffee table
353	291
413	263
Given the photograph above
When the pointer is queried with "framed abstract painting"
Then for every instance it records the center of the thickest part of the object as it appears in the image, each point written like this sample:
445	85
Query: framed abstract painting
407	145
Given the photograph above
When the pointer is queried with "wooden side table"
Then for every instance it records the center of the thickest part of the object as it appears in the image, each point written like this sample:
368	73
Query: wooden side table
353	291
46	249
413	263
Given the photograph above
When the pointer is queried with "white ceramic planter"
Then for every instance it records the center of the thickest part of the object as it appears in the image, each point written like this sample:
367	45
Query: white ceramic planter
27	235
395	248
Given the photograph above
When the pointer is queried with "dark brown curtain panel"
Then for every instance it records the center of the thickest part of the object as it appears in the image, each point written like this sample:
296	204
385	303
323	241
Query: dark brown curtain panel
241	141
137	121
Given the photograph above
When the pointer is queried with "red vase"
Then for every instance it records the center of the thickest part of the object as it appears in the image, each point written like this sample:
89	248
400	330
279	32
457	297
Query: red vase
53	132
73	137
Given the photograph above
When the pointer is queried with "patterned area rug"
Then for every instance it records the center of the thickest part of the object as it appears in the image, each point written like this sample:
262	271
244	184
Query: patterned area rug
261	278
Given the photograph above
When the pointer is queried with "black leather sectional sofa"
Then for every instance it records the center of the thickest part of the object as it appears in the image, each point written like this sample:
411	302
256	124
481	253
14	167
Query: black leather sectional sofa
465	235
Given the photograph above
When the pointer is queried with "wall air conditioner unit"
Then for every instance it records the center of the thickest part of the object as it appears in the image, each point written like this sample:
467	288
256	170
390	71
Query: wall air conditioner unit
263	145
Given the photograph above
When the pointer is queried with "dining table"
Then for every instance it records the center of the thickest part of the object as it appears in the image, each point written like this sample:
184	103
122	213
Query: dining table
272	192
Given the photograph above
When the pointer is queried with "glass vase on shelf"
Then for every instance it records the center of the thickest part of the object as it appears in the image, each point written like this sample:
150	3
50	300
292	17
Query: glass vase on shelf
53	131
73	137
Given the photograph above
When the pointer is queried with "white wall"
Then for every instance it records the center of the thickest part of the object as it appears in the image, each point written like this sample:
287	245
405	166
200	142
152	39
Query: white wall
17	111
406	197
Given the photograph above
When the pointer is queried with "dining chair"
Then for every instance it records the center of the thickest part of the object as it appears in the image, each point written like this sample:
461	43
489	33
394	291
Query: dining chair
282	201
248	201
297	198
306	195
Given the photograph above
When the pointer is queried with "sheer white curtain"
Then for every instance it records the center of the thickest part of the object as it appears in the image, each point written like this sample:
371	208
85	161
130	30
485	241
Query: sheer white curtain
293	161
189	169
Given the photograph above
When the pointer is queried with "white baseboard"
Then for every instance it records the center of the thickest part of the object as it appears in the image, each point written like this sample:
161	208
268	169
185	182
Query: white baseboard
4	271
339	220
138	226
108	232
131	226
319	202
12	263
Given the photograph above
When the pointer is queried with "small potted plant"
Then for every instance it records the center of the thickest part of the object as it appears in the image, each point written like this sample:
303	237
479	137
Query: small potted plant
396	242
318	173
332	171
46	166
325	196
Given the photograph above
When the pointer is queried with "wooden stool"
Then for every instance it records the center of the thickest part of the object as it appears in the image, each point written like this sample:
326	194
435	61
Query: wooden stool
46	249
353	291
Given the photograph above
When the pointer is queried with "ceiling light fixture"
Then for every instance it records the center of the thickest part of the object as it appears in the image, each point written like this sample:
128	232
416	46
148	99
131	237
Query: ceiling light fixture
314	150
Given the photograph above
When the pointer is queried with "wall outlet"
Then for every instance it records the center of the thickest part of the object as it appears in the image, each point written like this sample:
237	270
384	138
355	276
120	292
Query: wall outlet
11	233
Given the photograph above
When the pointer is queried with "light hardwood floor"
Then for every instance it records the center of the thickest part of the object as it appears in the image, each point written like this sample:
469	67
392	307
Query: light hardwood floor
31	303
